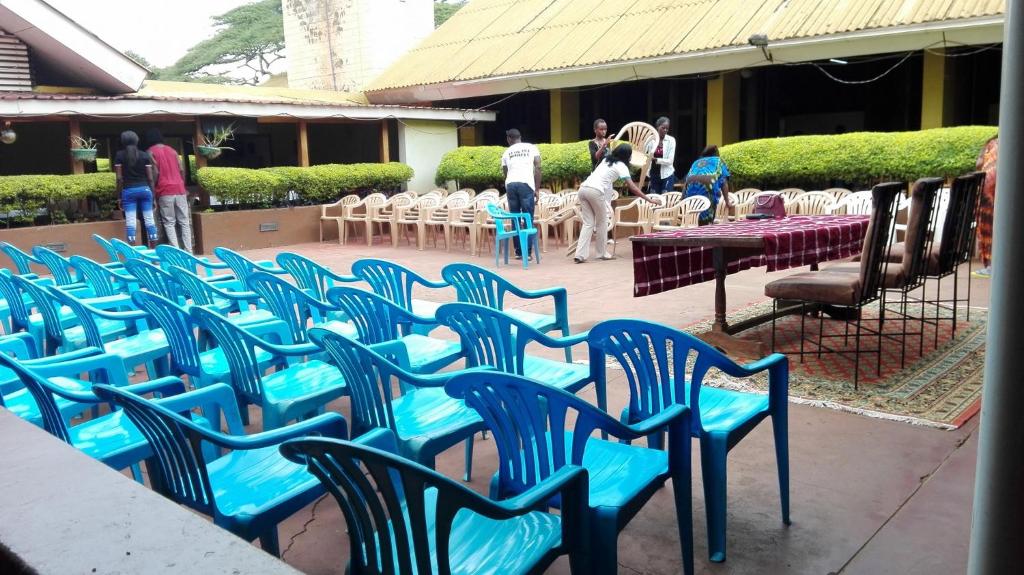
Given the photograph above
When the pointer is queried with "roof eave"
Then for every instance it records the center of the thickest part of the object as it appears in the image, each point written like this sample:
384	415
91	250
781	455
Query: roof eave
850	44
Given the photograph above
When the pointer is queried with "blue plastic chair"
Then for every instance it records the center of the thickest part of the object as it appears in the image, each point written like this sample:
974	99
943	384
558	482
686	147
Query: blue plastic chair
60	269
298	391
16	398
115	254
521	229
411	519
202	267
492	338
396	282
654	358
61	328
17	305
247	491
379	320
109	438
128	251
154	279
211	295
539	429
296	308
424	419
101	280
474	284
311	276
242	266
21	260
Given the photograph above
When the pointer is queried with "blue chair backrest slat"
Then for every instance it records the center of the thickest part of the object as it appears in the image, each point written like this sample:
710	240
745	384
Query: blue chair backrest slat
376	319
238	349
488	336
388	279
58	265
12	293
288	303
308	274
47	306
368	377
154	279
99	278
42	392
178	325
474	284
22	260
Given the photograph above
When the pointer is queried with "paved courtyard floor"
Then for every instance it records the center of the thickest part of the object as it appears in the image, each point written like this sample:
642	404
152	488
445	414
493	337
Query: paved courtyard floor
868	496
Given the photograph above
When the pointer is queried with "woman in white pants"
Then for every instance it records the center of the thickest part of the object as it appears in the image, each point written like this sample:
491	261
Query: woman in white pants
595	193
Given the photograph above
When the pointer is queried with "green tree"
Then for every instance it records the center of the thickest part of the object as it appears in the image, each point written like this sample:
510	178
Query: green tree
443	10
249	38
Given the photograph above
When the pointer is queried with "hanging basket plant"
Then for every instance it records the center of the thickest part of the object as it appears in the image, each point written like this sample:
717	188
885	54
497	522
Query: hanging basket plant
210	145
83	149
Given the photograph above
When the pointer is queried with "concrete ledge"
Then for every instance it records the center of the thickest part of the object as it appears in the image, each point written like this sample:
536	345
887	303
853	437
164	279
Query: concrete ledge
241	230
63	512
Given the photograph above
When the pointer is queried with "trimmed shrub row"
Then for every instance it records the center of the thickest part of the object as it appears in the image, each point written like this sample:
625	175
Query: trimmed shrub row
22	197
313	185
857	160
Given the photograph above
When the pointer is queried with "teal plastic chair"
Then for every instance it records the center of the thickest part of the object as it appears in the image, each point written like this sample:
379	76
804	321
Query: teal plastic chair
655	358
17	399
521	229
128	251
101	280
492	338
138	344
114	252
242	266
296	392
237	305
109	438
379	320
62	328
311	276
248	490
403	517
474	284
424	419
296	308
396	282
60	269
539	429
21	260
202	267
155	280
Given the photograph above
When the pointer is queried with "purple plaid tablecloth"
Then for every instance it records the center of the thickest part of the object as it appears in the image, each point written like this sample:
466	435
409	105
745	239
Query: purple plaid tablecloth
790	242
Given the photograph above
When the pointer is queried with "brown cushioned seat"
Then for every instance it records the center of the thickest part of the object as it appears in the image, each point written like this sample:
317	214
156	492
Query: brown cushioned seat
896	256
828	287
893	272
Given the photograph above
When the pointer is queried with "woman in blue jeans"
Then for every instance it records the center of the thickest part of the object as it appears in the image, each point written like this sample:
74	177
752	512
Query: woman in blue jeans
136	179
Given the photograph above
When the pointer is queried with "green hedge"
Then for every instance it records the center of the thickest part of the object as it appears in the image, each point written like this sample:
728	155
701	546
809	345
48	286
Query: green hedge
480	166
857	160
314	185
28	194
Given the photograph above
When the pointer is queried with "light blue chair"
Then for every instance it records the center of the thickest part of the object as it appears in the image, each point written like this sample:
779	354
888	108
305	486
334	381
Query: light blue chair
299	391
311	276
492	338
539	430
296	308
474	284
411	519
248	490
17	399
424	419
21	260
237	305
109	438
60	269
200	266
520	229
103	281
396	282
242	266
655	358
379	320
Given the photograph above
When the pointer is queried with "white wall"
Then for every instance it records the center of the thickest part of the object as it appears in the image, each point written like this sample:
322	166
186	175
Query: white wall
421	144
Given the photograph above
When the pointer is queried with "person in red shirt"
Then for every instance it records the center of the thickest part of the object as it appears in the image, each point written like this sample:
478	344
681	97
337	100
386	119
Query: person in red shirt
171	196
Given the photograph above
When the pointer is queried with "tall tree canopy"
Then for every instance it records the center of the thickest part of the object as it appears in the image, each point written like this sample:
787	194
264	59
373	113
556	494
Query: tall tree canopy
248	40
443	10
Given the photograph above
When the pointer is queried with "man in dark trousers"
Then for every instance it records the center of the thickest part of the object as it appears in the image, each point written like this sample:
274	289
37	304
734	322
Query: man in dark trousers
521	166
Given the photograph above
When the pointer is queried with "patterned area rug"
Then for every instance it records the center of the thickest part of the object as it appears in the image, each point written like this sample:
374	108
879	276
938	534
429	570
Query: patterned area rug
939	388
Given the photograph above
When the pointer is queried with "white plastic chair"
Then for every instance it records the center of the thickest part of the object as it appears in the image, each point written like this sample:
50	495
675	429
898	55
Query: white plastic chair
342	205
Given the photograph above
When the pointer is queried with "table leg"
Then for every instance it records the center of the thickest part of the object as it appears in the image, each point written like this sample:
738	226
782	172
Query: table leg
719	335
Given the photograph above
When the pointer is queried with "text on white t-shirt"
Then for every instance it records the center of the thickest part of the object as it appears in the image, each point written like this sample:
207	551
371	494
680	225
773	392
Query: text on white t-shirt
518	158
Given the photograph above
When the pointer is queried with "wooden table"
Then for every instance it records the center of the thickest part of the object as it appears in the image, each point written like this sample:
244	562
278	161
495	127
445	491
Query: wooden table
668	260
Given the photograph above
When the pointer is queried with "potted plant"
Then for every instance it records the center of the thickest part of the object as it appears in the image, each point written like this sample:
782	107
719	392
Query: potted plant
210	146
83	149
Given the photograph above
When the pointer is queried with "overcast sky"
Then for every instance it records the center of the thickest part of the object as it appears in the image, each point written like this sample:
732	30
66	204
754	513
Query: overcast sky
160	31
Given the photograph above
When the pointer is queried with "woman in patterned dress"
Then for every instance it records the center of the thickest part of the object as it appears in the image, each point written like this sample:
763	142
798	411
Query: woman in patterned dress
708	177
987	164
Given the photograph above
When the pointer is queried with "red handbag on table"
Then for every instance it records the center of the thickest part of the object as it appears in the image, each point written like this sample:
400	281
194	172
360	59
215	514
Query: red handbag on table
769	206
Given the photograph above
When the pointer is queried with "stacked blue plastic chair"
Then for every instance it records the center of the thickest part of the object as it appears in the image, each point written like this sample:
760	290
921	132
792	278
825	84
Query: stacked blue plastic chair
492	338
247	491
474	284
109	438
409	518
539	430
655	359
424	419
521	230
396	282
297	392
379	320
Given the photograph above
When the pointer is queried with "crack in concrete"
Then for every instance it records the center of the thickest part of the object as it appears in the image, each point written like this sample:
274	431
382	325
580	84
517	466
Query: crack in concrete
921	482
305	526
638	572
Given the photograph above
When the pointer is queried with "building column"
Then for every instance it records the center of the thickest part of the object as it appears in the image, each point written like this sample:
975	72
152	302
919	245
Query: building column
472	135
997	540
936	93
565	116
723	109
74	129
204	196
303	132
385	144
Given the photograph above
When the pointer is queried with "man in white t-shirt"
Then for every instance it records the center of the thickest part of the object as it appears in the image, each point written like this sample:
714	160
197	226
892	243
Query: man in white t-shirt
521	166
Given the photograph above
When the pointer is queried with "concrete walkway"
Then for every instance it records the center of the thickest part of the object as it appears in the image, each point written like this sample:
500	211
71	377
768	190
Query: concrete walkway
868	496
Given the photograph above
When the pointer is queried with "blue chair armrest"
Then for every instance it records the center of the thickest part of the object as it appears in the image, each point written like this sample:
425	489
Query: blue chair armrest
21	345
62	357
286	349
110	365
565	478
662	419
325	425
270	267
567	341
110	301
166	386
219	396
438	379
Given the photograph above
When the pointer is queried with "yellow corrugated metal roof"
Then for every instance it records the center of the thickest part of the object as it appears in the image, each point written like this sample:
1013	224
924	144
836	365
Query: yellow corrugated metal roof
232	92
489	38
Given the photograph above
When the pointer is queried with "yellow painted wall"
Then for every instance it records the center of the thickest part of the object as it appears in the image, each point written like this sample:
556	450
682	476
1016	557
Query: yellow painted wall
723	109
565	116
936	95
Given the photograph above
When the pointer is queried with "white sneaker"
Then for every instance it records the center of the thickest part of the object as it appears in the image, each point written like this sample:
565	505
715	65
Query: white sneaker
611	242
